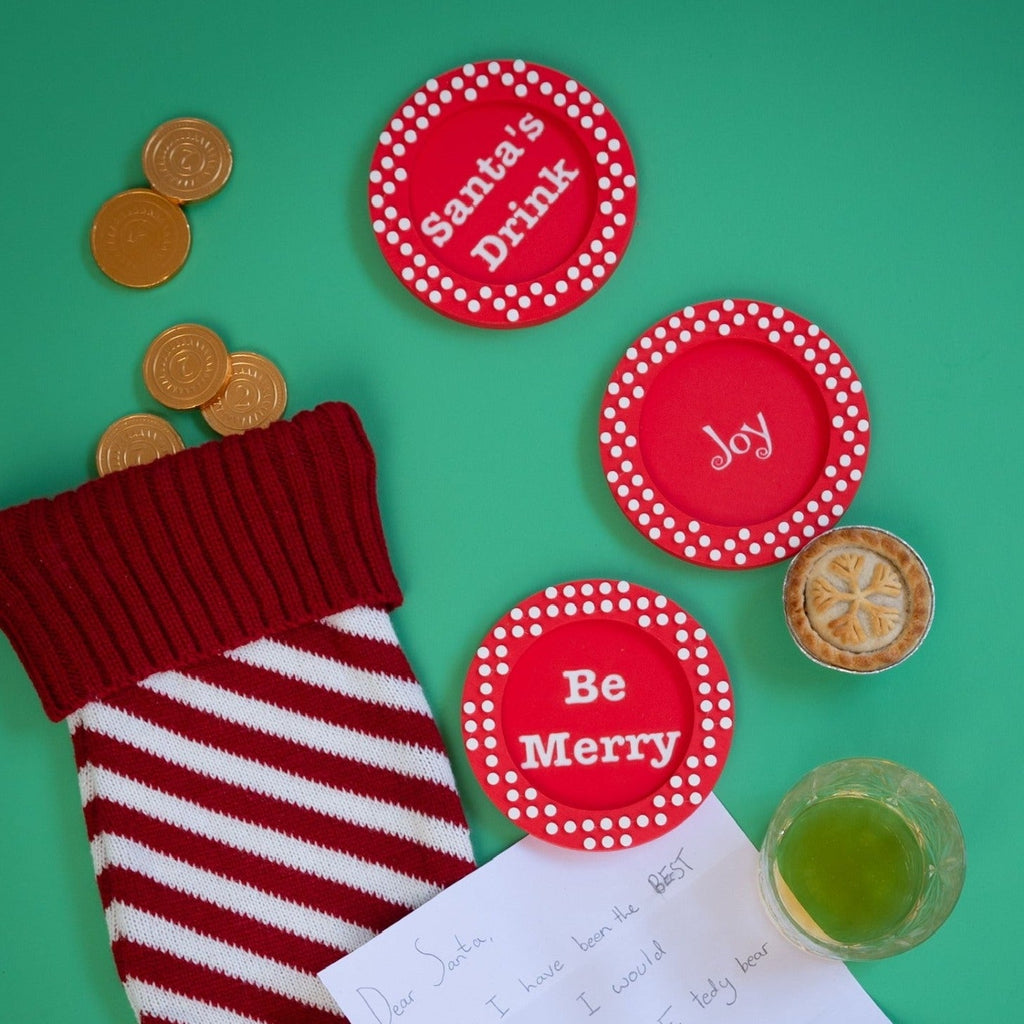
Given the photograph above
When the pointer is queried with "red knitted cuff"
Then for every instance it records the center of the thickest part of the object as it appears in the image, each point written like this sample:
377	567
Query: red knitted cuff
155	567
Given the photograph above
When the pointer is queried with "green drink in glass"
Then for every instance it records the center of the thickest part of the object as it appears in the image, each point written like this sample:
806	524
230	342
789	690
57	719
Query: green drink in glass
862	859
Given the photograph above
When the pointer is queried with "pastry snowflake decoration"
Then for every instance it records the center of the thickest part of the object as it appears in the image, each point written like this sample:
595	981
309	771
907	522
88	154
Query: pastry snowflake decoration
862	614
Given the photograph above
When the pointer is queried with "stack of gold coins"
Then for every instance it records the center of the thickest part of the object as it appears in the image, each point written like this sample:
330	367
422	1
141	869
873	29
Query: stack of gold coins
188	366
141	238
254	396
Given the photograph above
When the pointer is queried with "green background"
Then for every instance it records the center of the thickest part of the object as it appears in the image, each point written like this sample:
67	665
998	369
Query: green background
859	163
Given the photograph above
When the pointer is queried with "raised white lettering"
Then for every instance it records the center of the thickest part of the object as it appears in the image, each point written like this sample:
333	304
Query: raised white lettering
581	686
538	755
491	248
740	443
657	748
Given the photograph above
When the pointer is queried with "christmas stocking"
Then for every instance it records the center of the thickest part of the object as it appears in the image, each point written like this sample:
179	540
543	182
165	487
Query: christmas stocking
263	784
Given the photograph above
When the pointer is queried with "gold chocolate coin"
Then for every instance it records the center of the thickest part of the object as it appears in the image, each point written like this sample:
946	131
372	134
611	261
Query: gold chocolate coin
187	159
255	396
134	441
186	366
140	238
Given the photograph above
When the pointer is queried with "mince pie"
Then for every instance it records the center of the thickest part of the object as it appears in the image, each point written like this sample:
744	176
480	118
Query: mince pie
858	598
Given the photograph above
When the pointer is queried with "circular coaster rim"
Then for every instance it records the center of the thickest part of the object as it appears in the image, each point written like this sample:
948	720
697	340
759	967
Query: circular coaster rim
680	532
698	765
466	299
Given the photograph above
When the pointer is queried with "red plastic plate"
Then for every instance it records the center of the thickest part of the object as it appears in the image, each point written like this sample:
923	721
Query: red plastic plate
734	432
597	714
502	193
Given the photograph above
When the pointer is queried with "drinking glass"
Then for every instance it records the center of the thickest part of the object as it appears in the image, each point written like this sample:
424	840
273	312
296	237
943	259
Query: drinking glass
863	859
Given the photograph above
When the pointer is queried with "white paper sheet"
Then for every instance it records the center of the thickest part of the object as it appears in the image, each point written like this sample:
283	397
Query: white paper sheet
669	932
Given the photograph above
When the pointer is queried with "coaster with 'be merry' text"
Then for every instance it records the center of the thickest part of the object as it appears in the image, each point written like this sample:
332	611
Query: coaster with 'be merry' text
597	714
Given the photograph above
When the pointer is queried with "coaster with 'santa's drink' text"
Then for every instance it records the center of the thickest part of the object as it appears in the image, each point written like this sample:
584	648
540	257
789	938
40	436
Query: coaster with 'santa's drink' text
502	193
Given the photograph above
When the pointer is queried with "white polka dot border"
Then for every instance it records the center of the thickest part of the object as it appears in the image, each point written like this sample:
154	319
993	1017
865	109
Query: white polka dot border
694	538
409	235
704	689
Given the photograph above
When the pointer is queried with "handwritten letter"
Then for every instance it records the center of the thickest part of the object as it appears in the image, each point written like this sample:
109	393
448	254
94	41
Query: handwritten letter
669	932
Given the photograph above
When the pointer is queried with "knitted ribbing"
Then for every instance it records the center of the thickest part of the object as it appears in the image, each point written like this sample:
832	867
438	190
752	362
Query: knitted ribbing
155	567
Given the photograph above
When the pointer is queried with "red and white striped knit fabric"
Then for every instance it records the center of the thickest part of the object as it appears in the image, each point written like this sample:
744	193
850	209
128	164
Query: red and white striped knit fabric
255	809
317	808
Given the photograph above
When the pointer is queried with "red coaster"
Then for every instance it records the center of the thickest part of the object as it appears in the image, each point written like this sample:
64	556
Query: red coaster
502	193
597	714
734	432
